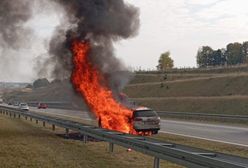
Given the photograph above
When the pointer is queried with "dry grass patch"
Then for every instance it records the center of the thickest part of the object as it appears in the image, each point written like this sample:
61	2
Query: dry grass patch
26	145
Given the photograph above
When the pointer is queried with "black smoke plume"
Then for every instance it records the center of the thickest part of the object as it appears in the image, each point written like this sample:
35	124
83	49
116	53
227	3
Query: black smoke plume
102	22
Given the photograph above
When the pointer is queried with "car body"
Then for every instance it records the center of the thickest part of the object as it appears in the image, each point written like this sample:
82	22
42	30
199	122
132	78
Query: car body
42	106
23	106
146	120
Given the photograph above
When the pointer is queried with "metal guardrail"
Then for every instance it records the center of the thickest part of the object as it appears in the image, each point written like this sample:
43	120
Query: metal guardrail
179	154
222	116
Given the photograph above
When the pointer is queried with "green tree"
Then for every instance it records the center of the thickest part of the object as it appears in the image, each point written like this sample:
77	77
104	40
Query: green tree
165	62
40	83
204	56
245	52
234	54
218	57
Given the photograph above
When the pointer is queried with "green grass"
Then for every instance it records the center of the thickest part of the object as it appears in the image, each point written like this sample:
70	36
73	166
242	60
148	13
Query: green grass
26	145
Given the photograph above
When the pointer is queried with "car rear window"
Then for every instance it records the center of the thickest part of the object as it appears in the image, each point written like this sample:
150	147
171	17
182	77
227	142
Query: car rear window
145	113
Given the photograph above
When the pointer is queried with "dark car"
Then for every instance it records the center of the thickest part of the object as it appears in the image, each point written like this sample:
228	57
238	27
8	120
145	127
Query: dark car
42	106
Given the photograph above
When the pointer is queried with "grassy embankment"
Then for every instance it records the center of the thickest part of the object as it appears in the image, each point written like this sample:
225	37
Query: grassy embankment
225	93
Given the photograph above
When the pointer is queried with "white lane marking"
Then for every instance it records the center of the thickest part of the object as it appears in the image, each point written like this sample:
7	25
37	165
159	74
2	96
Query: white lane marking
191	136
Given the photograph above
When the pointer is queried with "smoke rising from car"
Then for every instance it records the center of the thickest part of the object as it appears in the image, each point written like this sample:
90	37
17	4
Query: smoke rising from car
101	22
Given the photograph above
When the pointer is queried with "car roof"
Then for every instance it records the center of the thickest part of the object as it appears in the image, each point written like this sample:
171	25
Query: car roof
142	109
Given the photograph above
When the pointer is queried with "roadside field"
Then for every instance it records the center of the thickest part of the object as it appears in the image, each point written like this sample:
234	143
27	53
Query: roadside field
24	145
219	86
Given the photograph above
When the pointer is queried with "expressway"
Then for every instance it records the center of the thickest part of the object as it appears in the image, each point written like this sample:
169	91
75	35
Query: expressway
212	132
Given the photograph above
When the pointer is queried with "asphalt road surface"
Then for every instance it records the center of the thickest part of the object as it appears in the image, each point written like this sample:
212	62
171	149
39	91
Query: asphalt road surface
213	132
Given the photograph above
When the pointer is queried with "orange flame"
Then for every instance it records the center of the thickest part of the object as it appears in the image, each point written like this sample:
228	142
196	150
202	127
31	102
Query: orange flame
90	83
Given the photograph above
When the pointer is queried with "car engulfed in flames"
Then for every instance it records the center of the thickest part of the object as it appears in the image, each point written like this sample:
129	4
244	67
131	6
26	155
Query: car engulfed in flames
93	87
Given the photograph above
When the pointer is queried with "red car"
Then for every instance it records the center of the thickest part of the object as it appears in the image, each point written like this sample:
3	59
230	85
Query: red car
42	106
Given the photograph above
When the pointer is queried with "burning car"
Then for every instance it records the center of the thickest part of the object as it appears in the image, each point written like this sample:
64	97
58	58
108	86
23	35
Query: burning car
146	120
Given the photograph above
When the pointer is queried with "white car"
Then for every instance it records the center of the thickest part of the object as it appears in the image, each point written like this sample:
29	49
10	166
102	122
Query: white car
145	119
23	106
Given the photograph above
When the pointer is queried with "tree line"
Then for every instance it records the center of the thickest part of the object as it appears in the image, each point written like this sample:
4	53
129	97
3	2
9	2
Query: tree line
233	54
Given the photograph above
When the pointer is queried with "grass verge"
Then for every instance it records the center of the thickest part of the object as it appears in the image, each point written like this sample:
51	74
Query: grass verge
26	145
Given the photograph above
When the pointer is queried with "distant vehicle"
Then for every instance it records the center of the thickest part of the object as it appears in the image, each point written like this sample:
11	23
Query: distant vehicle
9	103
42	106
146	120
23	106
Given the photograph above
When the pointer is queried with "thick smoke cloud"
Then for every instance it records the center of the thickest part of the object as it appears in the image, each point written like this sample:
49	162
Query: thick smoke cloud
14	35
13	15
101	22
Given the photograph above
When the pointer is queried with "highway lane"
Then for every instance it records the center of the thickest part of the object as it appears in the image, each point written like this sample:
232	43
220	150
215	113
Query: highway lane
213	132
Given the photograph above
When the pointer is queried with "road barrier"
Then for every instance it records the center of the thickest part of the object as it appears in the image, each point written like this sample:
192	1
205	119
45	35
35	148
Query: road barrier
179	154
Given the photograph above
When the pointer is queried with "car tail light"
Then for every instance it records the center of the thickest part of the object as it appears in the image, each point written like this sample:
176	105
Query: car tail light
137	119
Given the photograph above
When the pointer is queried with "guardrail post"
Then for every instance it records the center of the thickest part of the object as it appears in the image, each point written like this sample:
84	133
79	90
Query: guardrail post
44	123
14	115
10	114
111	147
37	121
156	163
31	119
19	116
53	127
85	138
26	117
